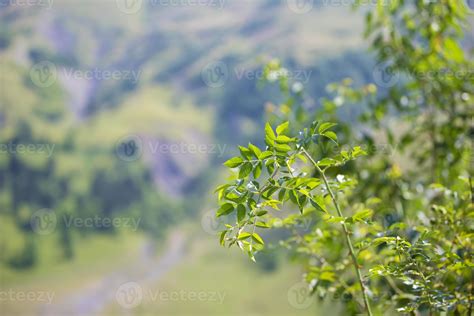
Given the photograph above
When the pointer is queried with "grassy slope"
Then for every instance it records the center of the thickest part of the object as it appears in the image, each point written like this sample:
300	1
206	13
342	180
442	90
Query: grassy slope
94	257
209	268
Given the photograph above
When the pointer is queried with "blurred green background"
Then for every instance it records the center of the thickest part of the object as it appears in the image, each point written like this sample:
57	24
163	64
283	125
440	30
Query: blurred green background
115	118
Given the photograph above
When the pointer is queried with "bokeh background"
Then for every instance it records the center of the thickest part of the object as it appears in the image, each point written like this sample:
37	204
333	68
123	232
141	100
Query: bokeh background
115	118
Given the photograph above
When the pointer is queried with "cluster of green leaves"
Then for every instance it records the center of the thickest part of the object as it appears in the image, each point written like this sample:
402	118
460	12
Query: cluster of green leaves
286	177
406	215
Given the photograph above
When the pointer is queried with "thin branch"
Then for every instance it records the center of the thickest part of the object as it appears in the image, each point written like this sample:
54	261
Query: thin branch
346	233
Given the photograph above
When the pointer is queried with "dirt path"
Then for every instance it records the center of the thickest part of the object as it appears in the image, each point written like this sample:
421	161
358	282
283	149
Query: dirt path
147	269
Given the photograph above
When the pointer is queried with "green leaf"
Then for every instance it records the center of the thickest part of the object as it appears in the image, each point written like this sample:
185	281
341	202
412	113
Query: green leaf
282	147
284	139
326	162
264	155
327	276
256	237
357	151
325	126
282	128
318	202
245	152
255	150
270	164
252	204
225	209
241	211
222	187
222	237
333	219
331	135
381	240
234	162
362	215
245	170
257	171
243	236
269	135
262	225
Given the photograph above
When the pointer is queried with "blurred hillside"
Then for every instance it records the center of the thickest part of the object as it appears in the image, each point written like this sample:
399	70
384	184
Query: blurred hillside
139	101
125	110
161	53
